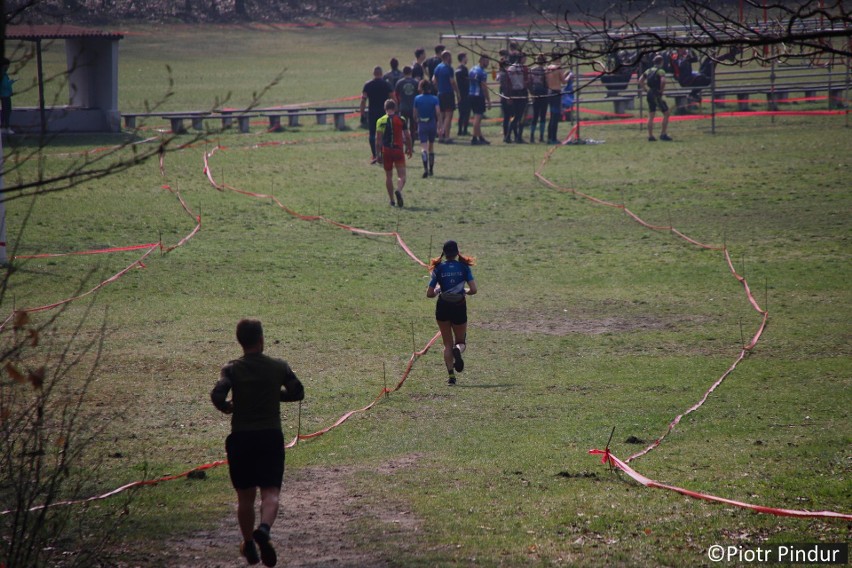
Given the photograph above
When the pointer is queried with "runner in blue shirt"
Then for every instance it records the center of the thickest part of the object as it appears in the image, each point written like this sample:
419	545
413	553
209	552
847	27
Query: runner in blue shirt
448	91
426	112
449	278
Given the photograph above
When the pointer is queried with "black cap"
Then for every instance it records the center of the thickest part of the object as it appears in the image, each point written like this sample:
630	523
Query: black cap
451	248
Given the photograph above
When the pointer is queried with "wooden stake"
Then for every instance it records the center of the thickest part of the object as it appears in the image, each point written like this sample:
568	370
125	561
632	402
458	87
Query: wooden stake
299	422
609	463
385	378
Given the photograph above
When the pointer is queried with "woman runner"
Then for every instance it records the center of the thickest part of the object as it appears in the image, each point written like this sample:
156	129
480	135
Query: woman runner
448	284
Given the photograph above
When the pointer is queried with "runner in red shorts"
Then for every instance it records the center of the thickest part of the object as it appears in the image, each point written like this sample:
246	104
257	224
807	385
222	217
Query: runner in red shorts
392	130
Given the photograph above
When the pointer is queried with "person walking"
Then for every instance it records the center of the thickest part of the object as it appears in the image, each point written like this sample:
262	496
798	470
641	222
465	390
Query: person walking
654	81
373	96
450	273
427	111
417	67
392	130
480	98
394	75
430	64
406	90
255	447
444	79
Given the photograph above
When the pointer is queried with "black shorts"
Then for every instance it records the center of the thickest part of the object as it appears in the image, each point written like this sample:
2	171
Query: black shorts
655	102
447	101
477	105
454	313
255	458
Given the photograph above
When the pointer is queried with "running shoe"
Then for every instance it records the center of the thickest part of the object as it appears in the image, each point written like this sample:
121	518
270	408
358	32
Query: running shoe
267	553
484	141
458	362
398	197
451	380
666	137
651	139
249	551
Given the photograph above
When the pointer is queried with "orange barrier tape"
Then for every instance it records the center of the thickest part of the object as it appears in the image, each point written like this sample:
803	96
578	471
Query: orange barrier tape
608	457
123	488
636	476
151	247
136	264
299	436
84	252
414	356
223	187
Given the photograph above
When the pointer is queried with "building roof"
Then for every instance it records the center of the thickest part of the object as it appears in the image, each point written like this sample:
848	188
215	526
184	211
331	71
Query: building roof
57	31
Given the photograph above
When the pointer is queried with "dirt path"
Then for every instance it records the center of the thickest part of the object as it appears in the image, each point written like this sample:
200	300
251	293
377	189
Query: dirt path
313	529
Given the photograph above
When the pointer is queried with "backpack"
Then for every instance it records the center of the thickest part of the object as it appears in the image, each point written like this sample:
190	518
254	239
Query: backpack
516	77
537	81
654	82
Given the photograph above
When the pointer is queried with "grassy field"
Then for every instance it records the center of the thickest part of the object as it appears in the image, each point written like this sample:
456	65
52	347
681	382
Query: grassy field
585	321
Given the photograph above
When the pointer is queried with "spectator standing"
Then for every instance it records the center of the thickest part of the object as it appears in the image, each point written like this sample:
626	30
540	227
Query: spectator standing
444	79
463	83
373	96
6	99
555	79
395	138
505	91
255	447
518	75
568	95
479	98
540	97
654	81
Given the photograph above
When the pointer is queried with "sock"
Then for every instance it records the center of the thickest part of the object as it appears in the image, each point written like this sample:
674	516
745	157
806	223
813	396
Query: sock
461	347
431	160
265	527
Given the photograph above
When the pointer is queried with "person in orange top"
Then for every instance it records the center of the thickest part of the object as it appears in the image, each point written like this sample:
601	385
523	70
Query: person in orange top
392	130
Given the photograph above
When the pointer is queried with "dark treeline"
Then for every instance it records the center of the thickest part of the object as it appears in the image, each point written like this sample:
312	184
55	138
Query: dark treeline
225	11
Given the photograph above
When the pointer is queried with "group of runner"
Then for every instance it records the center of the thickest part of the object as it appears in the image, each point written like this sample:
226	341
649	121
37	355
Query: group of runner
419	101
258	383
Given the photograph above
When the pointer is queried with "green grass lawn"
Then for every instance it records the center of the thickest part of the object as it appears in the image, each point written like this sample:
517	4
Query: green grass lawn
585	321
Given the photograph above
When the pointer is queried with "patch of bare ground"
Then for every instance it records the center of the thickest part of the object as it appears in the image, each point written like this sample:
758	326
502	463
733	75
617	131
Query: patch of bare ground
316	524
560	322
